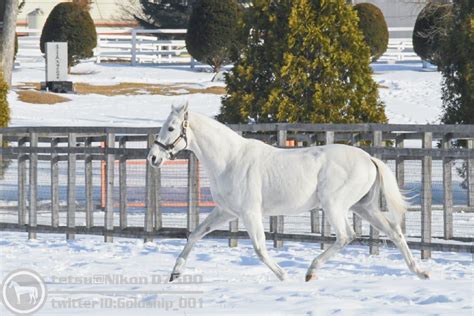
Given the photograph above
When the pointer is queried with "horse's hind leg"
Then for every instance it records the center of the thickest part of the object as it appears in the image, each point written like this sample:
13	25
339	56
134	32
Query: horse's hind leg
254	225
374	216
344	235
216	218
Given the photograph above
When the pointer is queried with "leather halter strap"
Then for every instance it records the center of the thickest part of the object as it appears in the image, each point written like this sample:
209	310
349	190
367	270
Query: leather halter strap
169	147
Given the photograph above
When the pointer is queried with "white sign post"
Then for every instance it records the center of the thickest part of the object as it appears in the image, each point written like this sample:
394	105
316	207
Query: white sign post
57	68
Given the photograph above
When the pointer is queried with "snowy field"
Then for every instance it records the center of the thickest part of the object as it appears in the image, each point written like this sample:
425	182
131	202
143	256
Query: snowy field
230	281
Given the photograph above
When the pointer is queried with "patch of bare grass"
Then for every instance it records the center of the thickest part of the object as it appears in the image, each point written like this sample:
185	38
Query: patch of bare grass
131	88
37	97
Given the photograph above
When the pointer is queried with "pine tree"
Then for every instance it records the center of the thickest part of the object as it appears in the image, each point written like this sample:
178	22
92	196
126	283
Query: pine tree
316	68
458	66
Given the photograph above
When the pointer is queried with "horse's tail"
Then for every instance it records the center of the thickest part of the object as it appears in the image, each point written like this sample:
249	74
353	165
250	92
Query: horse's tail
396	202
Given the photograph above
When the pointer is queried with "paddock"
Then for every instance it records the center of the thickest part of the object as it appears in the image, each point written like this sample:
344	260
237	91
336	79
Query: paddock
94	181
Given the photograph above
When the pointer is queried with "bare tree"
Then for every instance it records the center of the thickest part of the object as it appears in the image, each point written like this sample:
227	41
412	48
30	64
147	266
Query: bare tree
8	13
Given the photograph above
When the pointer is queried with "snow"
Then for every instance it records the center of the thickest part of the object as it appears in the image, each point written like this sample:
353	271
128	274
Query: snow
412	95
232	281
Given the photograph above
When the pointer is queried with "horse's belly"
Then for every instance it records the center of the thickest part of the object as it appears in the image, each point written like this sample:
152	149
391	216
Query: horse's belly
294	200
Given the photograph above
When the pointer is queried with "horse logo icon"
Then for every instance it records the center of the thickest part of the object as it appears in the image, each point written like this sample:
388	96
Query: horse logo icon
23	292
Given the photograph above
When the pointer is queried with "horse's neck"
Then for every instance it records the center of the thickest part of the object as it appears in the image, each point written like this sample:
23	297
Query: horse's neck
213	143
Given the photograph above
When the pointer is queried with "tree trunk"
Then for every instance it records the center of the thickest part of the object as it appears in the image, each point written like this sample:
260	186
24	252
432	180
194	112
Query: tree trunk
7	38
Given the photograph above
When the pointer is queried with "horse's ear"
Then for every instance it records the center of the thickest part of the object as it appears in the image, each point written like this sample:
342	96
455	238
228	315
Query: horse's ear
185	107
174	109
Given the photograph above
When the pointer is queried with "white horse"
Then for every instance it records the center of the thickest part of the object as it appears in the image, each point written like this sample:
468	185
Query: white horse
20	290
250	179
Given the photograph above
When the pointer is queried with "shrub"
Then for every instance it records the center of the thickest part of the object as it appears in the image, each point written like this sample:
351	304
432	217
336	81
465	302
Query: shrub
430	31
69	22
306	61
4	108
373	26
212	36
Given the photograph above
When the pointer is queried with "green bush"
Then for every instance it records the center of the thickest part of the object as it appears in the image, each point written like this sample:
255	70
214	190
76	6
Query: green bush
4	108
373	26
212	37
69	22
430	31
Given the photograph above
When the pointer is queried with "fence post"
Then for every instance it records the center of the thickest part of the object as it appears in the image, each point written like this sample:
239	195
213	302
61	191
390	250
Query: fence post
54	184
470	174
326	227
109	190
134	47
157	196
88	184
193	192
374	233
426	195
400	173
123	184
356	219
315	222
150	191
447	191
32	221
22	183
71	188
277	222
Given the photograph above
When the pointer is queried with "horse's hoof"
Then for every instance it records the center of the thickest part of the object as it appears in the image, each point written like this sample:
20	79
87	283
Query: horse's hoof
174	276
310	277
423	275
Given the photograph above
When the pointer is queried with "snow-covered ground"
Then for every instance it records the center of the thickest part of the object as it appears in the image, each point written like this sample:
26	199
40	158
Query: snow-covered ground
412	95
232	281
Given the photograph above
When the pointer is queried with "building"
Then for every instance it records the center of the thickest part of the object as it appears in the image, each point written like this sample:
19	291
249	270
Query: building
398	13
105	13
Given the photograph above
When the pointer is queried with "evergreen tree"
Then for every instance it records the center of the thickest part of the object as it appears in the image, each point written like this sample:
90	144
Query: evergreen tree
213	40
163	14
317	68
4	108
431	32
70	22
458	66
374	27
251	80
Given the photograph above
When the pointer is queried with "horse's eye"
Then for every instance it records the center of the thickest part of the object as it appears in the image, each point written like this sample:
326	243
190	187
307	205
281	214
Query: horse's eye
170	129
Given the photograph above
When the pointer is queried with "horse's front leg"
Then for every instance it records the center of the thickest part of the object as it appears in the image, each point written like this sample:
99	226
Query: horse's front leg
254	225
216	218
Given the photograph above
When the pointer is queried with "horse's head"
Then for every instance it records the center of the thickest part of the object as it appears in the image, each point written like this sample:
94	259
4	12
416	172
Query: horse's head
172	137
12	284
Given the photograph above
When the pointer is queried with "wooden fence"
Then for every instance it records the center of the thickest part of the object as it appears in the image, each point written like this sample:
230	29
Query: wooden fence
85	145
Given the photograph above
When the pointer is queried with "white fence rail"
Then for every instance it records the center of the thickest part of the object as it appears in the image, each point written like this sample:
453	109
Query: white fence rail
153	46
399	48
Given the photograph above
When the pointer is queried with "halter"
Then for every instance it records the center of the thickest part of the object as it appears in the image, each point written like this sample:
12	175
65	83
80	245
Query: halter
181	136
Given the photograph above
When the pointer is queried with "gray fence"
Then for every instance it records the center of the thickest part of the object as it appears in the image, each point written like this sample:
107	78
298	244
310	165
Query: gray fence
88	180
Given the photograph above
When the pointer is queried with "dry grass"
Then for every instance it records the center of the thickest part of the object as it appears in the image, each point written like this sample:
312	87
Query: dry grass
36	97
130	88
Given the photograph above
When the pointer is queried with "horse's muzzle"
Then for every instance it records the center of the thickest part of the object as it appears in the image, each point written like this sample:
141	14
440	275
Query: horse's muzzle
154	161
